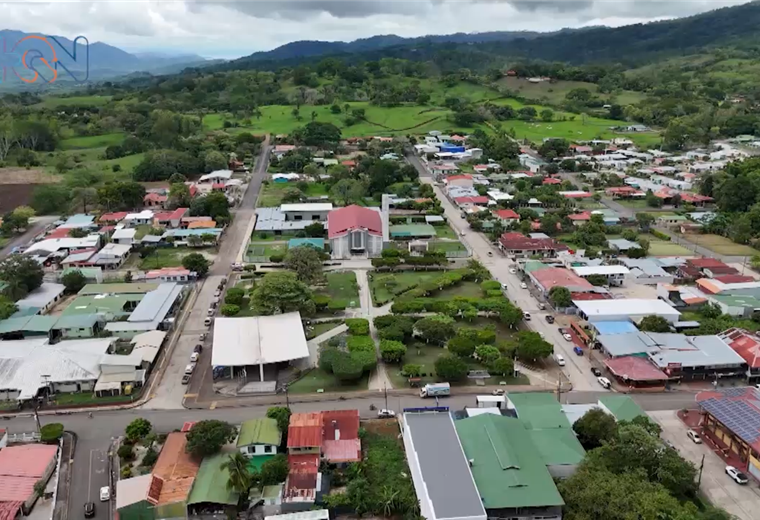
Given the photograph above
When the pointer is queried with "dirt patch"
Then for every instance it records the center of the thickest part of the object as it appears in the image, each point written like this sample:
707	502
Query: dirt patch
14	195
24	176
155	185
384	427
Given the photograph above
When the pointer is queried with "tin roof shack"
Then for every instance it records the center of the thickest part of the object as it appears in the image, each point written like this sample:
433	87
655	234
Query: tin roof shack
20	468
259	439
340	436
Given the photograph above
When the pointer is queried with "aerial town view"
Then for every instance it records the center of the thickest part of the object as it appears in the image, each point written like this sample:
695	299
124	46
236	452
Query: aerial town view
502	264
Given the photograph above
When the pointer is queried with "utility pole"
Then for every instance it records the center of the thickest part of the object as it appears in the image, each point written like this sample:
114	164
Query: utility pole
701	466
287	398
385	394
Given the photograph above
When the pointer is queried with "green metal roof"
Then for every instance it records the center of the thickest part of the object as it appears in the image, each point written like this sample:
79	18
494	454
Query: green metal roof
744	301
13	324
78	321
558	446
506	465
255	462
210	485
539	410
412	230
111	305
118	288
33	323
259	431
534	265
622	407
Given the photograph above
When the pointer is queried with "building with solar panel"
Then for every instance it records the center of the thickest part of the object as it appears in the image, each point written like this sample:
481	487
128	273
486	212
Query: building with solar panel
731	419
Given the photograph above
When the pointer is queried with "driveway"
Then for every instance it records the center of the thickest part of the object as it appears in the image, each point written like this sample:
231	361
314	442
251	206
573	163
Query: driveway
577	369
716	485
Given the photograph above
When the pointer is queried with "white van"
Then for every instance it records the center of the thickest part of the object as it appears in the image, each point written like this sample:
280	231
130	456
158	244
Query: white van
560	360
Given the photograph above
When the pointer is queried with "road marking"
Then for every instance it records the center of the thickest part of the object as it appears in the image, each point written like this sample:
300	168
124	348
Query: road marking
89	478
213	406
191	395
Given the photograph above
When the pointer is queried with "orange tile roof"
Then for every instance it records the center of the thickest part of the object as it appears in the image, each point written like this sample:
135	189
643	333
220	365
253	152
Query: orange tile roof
176	468
202	224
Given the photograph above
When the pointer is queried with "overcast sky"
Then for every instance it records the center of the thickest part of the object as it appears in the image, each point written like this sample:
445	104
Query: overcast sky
233	28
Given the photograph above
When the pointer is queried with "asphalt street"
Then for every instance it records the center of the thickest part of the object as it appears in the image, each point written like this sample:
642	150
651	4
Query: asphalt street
38	224
578	368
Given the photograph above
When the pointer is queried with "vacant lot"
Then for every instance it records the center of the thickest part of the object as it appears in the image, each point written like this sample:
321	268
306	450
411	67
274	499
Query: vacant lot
84	101
14	175
554	93
342	287
721	245
659	247
271	193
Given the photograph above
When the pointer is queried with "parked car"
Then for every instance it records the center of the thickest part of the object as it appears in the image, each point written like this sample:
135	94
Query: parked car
189	368
567	337
198	348
498	391
596	371
202	337
89	510
386	414
541	307
578	350
461	233
526	316
560	360
512	270
185	379
105	494
210	312
694	436
218	293
207	321
523	285
549	318
736	475
561	330
490	253
504	286
604	382
194	357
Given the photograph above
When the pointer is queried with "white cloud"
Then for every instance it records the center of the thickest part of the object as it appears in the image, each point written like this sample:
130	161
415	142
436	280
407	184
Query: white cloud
234	28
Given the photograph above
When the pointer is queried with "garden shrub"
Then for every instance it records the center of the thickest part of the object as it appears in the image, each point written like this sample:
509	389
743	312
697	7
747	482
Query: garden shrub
357	326
360	344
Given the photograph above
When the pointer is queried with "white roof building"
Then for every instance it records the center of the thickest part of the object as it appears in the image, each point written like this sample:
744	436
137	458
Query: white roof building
42	297
124	234
604	270
297	208
259	340
216	176
625	309
53	245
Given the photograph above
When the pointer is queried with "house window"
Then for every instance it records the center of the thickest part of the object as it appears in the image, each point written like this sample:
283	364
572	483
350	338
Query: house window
357	239
268	449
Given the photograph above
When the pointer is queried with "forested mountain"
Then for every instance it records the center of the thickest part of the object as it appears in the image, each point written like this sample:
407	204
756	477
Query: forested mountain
628	45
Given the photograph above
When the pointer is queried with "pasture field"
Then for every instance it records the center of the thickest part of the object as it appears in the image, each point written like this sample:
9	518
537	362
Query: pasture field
92	141
52	102
721	245
554	93
659	247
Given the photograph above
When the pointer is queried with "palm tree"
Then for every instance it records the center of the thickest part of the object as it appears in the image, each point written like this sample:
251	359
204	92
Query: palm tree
241	479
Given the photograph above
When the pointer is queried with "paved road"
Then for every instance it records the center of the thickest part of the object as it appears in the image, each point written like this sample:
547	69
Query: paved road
89	474
578	369
170	391
38	224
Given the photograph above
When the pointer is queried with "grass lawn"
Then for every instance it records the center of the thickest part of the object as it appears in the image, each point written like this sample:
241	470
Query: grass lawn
3	241
447	246
271	193
445	231
381	283
417	353
142	230
92	141
554	92
318	379
321	328
165	257
659	247
721	245
90	398
465	289
342	286
267	249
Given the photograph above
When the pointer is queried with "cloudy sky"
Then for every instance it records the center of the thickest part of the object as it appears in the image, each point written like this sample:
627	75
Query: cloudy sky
232	28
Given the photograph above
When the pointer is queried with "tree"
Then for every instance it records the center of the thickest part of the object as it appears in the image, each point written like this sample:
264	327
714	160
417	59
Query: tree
560	297
487	354
547	115
84	198
275	470
531	346
597	280
348	368
643	421
595	428
290	195
7	308
347	191
509	314
411	370
392	351
280	292
435	329
214	161
74	281
315	230
461	346
196	262
653	323
306	262
241	479
317	133
281	414
138	429
229	309
450	368
22	274
645	220
503	366
207	437
39	487
51	432
234	296
179	195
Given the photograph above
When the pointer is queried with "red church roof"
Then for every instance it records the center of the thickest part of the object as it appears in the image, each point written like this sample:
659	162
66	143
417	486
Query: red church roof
342	220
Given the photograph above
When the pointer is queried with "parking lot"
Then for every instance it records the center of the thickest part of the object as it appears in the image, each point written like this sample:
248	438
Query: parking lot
741	501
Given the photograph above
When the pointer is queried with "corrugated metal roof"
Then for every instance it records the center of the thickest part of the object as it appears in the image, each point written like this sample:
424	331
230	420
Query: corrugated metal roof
116	288
153	303
28	460
16	489
305	430
259	431
177	468
132	490
210	484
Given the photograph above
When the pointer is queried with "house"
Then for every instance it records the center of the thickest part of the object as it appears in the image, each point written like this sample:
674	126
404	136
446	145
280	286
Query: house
507	216
646	271
464	181
518	245
171	274
578	219
622	245
144	218
545	279
671	220
78	221
747	345
355	230
625	309
340	437
113	218
155	200
304	479
305	433
112	256
124	236
259	438
441	169
216	177
43	298
310	212
171	219
21	467
614	274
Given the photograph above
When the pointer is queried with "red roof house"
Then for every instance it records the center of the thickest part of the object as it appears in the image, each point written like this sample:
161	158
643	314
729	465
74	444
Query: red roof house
343	220
517	243
305	431
340	436
734	278
634	368
153	200
559	277
480	200
552	180
113	217
744	343
580	218
507	214
58	233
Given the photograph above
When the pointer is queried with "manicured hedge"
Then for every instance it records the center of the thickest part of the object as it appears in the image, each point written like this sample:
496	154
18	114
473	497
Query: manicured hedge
358	326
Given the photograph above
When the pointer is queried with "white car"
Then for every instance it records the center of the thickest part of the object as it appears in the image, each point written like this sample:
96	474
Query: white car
189	368
194	357
604	382
567	337
694	436
524	285
560	360
504	286
736	475
386	414
105	494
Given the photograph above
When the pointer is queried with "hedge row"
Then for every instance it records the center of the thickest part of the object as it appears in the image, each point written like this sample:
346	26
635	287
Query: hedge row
659	234
418	305
357	326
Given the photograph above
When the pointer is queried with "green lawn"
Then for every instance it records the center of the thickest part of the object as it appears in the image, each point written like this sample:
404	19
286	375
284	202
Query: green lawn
93	141
445	231
271	193
164	257
342	287
417	353
381	283
555	92
446	246
659	247
318	379
465	289
267	249
321	328
722	245
89	399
